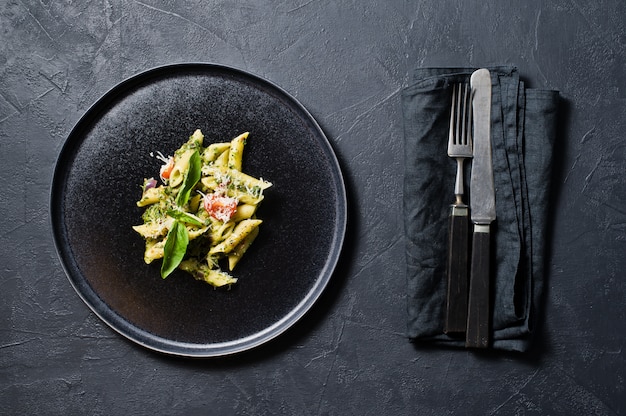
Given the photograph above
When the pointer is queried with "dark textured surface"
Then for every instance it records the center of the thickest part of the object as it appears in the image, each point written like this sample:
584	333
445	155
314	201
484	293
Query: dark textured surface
346	62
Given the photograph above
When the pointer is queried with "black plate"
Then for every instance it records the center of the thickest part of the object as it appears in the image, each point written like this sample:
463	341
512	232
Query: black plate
97	183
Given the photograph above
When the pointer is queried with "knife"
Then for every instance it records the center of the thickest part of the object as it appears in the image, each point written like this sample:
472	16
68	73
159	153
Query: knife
483	213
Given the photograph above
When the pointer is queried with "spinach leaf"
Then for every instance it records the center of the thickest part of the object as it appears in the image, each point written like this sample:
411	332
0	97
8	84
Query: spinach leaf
191	179
175	248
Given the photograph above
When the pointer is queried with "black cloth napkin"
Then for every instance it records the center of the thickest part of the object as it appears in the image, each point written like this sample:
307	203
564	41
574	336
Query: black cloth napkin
523	128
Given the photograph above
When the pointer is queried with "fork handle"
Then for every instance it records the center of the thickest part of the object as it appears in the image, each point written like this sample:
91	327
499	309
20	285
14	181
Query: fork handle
458	182
456	296
478	315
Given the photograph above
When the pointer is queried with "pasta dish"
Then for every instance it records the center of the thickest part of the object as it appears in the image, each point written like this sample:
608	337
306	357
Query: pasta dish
203	211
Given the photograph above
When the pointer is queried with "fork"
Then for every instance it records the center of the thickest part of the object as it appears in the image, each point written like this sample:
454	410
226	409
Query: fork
459	148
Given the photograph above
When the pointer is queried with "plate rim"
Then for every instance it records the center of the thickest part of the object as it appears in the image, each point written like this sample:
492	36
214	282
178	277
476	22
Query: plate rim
116	321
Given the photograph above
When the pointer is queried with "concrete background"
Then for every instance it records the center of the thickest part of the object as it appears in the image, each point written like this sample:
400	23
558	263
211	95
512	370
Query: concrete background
347	63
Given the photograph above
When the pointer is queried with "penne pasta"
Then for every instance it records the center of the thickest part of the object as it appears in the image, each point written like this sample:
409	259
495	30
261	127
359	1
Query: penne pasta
214	150
153	230
240	232
154	250
181	165
221	233
236	177
237	253
222	160
244	212
196	232
151	196
202	272
196	139
235	155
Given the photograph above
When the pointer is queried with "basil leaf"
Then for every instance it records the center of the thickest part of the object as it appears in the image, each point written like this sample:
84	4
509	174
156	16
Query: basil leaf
175	248
185	217
191	179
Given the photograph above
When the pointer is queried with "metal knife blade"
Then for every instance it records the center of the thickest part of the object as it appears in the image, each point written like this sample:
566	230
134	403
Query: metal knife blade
483	213
483	203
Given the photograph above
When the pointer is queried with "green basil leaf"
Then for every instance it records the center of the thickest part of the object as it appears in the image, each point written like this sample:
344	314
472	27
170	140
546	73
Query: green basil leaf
191	179
175	248
185	217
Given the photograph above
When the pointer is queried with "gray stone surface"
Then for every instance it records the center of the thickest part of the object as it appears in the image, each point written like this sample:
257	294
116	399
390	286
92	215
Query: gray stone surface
346	62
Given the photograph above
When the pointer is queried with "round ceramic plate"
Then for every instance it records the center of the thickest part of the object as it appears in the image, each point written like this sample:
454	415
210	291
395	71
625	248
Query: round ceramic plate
97	182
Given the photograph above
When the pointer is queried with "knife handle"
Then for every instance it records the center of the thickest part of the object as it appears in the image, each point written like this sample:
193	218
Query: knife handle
456	296
478	314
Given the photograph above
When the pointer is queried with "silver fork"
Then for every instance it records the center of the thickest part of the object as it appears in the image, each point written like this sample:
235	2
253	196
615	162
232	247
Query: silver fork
459	148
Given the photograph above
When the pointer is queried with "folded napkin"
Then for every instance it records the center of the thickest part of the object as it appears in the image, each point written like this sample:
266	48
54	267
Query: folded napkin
523	129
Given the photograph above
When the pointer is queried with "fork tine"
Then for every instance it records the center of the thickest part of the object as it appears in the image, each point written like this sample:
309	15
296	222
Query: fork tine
460	113
467	117
460	116
452	132
464	119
